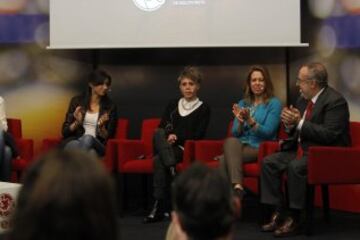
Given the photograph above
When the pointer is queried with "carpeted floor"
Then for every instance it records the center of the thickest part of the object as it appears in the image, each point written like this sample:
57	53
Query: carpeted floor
344	226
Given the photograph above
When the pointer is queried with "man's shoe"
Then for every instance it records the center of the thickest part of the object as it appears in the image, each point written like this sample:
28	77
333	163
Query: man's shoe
290	227
156	214
273	224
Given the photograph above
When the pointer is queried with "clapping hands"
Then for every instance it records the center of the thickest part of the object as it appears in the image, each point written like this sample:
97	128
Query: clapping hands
103	119
290	116
242	114
78	115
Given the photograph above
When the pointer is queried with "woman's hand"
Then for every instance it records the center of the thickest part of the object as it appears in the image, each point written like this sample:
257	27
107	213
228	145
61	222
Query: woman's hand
238	113
172	138
78	115
103	119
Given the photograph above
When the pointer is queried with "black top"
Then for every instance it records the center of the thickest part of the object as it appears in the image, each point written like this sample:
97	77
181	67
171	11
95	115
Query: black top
106	105
189	127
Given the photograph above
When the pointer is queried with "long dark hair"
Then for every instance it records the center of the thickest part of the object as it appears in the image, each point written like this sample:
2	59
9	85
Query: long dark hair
269	89
65	195
95	78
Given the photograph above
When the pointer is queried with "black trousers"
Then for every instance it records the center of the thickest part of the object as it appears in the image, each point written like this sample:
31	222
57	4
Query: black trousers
165	156
272	170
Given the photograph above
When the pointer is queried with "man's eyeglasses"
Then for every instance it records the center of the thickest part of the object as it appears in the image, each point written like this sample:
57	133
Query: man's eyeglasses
299	81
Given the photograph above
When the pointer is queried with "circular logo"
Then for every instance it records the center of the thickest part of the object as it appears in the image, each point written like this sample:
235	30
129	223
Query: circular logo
7	204
149	5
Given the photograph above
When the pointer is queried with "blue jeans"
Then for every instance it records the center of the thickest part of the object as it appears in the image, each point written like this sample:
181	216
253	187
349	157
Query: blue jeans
5	160
87	143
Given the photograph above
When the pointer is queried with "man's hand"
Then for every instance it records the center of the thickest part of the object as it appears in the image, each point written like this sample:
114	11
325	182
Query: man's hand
290	116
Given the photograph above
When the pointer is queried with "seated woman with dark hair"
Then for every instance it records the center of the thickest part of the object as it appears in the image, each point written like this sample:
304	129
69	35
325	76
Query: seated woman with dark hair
184	119
91	118
8	150
66	194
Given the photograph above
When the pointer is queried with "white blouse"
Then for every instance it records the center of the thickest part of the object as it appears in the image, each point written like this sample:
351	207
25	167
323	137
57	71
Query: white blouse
90	123
3	122
187	107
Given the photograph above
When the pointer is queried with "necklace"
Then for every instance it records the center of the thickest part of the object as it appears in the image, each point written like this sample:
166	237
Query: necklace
189	105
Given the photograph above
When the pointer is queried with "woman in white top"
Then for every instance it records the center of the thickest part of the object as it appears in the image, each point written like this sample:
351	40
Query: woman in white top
91	117
7	146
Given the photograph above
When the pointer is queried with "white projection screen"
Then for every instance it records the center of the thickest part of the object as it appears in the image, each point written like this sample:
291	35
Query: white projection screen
78	24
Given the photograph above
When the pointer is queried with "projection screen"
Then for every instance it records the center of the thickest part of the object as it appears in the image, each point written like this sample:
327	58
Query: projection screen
173	23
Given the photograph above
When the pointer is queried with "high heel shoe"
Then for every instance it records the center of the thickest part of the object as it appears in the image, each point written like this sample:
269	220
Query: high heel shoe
156	214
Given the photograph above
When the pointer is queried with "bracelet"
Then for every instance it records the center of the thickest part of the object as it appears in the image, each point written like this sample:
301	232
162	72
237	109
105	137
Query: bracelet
253	124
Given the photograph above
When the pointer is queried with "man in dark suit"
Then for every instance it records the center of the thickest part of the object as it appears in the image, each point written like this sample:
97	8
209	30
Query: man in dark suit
319	118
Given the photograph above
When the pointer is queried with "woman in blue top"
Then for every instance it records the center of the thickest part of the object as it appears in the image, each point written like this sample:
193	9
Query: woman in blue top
257	118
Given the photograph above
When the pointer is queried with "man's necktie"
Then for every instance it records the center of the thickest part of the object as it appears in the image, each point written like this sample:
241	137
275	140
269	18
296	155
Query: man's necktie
308	110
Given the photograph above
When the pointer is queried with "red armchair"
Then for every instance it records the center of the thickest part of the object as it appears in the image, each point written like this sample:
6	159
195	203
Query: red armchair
328	166
25	147
207	150
135	156
111	146
332	166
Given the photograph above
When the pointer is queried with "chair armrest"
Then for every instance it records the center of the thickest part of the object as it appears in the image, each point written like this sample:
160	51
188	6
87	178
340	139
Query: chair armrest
266	148
333	165
110	158
129	149
49	143
26	148
207	150
189	149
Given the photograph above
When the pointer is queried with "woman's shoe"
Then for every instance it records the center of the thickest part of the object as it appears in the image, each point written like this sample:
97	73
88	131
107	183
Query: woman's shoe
238	196
156	214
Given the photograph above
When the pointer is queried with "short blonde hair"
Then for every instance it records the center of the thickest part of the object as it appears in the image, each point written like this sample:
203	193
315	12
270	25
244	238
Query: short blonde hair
192	73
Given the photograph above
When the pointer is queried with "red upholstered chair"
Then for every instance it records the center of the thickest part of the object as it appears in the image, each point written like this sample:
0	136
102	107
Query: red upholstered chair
332	166
207	150
136	156
327	166
25	147
111	146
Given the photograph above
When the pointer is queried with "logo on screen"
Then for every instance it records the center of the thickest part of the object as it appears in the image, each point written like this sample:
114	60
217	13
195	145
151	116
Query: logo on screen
149	5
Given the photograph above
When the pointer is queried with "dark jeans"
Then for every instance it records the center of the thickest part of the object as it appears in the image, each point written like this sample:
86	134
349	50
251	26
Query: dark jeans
87	143
5	160
165	156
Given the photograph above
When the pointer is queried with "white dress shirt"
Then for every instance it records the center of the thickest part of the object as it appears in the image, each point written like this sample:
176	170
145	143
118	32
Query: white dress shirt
3	122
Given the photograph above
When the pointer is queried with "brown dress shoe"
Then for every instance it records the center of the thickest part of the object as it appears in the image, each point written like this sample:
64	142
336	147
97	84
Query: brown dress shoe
290	227
273	224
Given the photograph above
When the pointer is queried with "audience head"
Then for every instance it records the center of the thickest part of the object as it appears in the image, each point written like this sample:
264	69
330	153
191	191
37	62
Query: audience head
189	82
312	77
203	204
65	195
258	83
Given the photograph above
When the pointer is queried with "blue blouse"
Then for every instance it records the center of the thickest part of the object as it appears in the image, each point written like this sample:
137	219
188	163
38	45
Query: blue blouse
267	117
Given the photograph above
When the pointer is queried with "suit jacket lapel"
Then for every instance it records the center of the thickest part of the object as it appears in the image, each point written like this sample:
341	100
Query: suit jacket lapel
319	104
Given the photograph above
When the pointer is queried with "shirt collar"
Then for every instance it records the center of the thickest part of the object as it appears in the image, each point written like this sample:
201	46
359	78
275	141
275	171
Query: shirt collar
314	99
